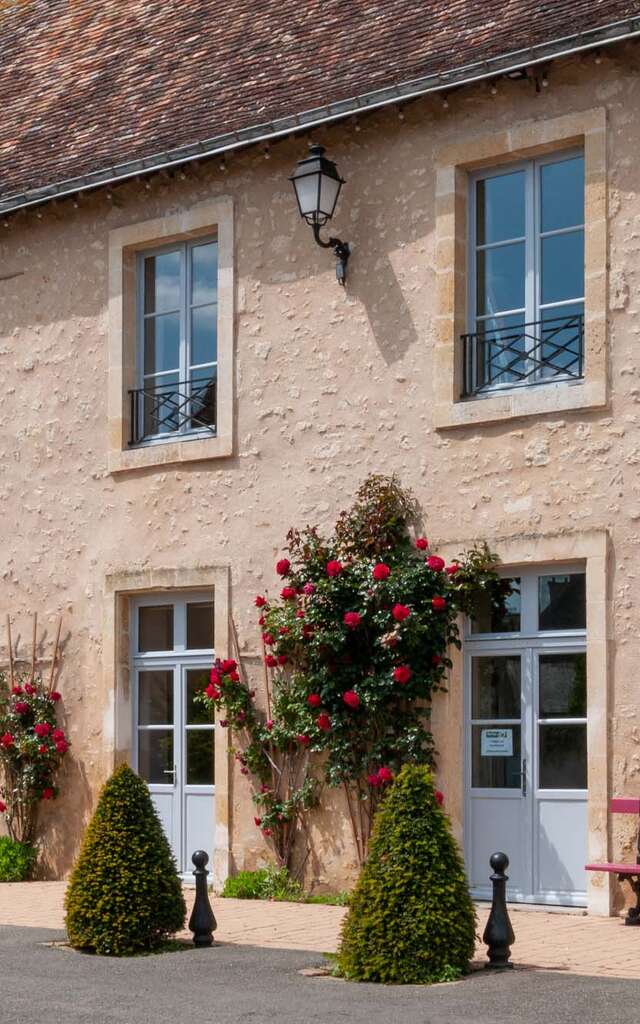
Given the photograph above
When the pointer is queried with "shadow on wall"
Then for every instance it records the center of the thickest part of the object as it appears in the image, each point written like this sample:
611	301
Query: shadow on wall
61	824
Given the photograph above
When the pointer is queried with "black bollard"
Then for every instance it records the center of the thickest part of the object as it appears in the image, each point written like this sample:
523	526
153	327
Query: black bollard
202	922
498	934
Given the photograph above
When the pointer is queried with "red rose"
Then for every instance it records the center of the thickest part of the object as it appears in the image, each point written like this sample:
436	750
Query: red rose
308	631
62	746
400	612
288	593
284	630
55	696
381	571
303	740
3	807
234	677
223	723
385	774
351	699
422	543
47	794
268	639
283	566
282	659
29	689
16	691
435	659
299	614
269	724
402	674
352	619
57	734
309	588
373	780
43	749
258	822
334	568
260	601
314	700
42	729
452	569
324	722
6	740
212	692
264	788
438	603
21	708
261	620
271	661
435	562
439	797
214	677
267	832
228	665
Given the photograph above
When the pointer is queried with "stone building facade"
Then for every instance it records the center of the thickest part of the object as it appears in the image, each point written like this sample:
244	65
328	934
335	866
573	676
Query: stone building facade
318	386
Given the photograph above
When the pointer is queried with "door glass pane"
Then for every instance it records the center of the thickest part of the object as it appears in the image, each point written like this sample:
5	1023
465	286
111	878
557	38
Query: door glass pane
563	685
491	769
562	194
200	757
500	281
500	208
563	756
204	273
489	619
162	343
200	626
562	267
155	697
495	687
162	282
155	628
197	681
204	335
155	755
561	339
562	602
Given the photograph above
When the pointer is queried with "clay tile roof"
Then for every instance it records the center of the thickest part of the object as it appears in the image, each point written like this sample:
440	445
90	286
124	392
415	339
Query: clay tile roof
89	84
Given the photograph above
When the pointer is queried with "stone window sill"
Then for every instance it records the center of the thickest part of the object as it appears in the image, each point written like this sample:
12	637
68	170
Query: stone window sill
194	449
543	399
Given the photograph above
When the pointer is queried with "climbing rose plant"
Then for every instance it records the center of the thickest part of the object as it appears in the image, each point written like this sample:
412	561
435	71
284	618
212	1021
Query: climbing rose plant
357	643
32	747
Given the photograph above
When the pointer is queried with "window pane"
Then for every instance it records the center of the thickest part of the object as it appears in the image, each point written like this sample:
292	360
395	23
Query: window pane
562	602
563	686
155	628
563	757
492	620
162	343
500	208
561	340
155	697
155	755
562	194
496	687
204	335
563	267
200	625
162	282
203	398
490	771
163	405
501	350
500	281
204	273
197	681
200	757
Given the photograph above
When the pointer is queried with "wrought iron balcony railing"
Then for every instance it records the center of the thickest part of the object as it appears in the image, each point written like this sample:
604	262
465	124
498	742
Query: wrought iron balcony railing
526	354
179	407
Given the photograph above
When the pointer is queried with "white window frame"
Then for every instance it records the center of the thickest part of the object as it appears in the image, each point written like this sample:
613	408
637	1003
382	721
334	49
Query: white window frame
533	308
186	307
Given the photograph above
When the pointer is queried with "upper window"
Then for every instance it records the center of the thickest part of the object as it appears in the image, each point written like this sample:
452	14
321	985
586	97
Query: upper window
527	274
177	356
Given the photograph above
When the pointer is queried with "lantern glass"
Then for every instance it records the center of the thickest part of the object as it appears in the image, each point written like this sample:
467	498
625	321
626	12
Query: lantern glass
317	186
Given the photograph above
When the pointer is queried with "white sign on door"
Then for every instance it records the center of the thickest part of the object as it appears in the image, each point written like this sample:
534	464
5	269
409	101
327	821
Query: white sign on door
496	743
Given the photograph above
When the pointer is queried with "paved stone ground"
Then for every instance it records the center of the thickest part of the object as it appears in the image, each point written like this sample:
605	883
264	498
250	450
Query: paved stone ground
238	984
563	942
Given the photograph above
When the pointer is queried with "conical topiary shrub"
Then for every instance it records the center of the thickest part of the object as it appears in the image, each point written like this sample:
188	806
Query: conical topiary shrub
124	895
411	919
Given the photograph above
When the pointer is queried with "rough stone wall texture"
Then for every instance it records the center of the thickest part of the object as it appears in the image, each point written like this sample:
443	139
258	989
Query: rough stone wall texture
331	385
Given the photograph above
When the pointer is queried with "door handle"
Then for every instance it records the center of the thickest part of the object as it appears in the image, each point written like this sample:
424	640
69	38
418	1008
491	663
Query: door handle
523	776
171	771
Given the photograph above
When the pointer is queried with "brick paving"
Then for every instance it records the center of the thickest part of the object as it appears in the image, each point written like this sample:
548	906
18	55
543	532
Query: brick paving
565	942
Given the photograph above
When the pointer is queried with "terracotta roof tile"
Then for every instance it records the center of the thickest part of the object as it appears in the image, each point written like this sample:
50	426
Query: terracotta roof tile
86	84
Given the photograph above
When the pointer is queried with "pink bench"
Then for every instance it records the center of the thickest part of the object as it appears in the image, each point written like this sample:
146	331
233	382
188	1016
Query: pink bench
626	872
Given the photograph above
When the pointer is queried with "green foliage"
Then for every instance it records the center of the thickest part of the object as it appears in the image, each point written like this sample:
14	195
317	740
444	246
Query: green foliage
16	860
411	919
124	895
270	883
246	885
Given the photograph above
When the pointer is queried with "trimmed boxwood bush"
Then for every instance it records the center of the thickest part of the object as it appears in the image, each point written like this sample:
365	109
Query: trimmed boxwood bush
16	860
411	919
124	895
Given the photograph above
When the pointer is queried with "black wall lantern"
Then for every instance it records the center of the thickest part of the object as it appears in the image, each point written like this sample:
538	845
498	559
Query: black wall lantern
317	186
